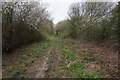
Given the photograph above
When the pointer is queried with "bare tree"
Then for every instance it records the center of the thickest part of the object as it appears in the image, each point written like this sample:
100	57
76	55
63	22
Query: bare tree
85	15
22	22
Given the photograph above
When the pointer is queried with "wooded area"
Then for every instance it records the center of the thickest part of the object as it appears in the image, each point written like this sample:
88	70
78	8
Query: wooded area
22	23
85	45
91	21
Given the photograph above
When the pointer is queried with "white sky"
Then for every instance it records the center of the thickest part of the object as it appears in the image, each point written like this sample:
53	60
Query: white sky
59	8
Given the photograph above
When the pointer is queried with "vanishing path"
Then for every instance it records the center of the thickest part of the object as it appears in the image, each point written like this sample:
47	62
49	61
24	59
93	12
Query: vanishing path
62	58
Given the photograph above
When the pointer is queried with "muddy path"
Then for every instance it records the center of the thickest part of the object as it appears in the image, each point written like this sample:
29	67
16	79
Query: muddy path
37	69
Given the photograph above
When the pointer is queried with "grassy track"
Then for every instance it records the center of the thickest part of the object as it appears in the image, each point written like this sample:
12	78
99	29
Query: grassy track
67	59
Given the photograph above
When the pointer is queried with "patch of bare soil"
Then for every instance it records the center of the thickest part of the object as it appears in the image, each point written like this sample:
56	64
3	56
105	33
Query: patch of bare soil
37	69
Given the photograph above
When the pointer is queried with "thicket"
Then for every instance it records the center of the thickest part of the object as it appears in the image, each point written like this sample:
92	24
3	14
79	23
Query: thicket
22	23
92	21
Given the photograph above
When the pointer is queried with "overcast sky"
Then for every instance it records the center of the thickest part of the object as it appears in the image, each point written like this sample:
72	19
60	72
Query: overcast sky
59	8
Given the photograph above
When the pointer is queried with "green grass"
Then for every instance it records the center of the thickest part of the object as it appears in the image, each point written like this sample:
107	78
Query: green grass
64	67
31	53
65	48
35	54
24	57
77	69
26	64
70	56
50	61
68	74
80	71
15	73
78	65
23	74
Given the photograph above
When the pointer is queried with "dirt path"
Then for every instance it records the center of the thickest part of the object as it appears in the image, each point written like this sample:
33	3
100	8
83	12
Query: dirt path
37	69
63	59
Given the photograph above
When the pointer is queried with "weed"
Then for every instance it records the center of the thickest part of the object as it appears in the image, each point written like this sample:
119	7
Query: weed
71	56
50	61
65	48
24	57
31	55
26	63
68	74
90	56
23	74
82	73
97	56
65	67
54	73
62	71
15	73
37	54
10	67
78	65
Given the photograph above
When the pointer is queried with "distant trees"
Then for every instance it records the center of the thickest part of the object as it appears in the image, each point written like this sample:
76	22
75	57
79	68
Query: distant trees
21	23
92	20
63	29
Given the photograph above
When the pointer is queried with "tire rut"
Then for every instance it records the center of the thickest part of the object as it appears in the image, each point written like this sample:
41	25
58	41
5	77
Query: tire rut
37	70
